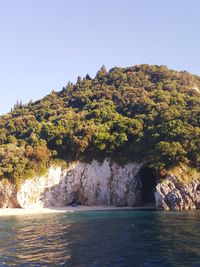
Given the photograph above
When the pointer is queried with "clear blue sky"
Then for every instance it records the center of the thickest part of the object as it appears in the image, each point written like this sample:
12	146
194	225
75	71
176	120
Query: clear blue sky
46	43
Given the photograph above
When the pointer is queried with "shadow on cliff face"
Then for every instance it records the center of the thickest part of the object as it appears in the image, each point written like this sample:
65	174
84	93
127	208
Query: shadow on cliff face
77	199
148	179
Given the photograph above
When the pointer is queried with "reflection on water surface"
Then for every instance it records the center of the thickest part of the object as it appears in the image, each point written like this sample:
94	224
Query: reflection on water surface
107	238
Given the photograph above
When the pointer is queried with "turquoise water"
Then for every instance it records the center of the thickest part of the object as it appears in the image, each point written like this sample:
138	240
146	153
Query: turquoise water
102	238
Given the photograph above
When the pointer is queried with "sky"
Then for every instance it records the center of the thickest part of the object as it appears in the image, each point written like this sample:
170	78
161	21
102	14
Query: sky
46	43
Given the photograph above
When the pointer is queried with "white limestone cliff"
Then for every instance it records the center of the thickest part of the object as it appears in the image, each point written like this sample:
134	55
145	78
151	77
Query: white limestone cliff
93	183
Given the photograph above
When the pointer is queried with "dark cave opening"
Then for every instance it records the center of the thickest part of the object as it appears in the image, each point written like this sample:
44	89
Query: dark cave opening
76	199
148	180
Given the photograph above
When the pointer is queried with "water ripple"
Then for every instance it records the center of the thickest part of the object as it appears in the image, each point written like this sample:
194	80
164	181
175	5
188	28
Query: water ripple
92	239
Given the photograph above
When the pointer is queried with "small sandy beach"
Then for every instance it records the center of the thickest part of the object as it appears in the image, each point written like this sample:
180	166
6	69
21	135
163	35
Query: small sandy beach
18	211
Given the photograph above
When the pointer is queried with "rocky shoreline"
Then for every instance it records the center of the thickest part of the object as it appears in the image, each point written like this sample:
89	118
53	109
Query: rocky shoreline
99	184
172	195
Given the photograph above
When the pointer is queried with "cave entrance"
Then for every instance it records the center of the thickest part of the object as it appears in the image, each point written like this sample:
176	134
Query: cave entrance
76	199
148	181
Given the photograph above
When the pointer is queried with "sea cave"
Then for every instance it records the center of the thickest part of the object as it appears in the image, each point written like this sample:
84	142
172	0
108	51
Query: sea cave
148	182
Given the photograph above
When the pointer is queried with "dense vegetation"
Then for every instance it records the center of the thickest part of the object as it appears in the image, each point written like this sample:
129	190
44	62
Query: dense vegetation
144	113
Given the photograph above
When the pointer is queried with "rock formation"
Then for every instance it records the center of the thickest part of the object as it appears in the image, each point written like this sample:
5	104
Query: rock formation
174	193
8	193
95	183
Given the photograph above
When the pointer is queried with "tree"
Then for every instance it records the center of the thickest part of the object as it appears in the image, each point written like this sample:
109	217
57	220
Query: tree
102	73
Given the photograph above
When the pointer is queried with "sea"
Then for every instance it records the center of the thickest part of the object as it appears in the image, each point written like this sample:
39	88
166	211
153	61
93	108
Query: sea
146	238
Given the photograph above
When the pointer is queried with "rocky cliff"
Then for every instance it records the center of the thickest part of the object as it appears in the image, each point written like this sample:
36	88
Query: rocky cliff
179	191
93	183
96	183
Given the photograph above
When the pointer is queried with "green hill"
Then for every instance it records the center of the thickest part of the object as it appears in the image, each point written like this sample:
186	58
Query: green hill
140	113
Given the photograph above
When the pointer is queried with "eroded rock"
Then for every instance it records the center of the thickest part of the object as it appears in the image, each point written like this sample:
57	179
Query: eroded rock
173	195
8	195
93	183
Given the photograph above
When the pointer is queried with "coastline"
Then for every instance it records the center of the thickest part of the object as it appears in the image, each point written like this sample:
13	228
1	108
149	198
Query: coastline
67	209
